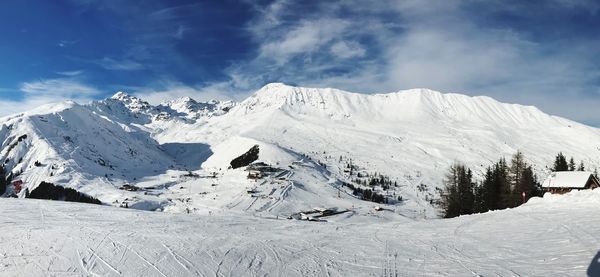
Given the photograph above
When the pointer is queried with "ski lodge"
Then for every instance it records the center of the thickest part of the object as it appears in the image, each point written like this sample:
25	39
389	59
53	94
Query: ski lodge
565	181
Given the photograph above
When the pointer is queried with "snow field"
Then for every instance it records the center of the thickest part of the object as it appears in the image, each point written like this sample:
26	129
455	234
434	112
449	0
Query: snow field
548	237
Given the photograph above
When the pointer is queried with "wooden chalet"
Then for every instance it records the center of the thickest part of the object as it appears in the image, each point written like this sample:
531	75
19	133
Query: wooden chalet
565	181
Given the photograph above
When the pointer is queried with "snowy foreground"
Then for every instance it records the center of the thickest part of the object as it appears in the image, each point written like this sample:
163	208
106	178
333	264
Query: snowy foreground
554	236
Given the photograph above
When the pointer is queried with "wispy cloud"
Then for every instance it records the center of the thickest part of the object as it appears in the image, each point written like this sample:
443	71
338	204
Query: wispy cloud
66	43
173	12
304	39
180	32
72	73
58	88
155	29
39	92
9	107
129	63
347	50
125	64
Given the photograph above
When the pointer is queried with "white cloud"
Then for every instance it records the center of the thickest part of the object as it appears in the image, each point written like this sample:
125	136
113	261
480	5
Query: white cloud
72	73
125	64
181	30
347	50
306	38
431	58
268	17
66	43
40	92
59	88
8	107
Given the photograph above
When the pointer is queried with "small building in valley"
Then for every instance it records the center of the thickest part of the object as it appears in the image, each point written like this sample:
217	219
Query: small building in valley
565	181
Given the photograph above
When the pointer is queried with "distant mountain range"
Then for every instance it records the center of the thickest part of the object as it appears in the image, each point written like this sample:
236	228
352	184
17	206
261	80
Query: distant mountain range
411	137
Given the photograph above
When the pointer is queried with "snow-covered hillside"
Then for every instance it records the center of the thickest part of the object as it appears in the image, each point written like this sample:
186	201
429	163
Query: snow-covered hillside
412	136
553	236
177	154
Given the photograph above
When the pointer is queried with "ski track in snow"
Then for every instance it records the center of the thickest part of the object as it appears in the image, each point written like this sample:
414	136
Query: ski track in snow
544	238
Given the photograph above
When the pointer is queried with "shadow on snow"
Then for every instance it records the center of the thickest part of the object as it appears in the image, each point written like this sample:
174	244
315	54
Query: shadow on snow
189	156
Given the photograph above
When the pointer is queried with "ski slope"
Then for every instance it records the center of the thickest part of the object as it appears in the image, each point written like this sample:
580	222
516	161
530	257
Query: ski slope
554	236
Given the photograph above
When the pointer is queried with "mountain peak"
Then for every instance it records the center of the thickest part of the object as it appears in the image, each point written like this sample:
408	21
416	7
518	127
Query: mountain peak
130	100
186	100
274	85
274	88
120	95
193	109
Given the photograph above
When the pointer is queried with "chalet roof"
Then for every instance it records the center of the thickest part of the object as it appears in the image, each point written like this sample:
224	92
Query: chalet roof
567	179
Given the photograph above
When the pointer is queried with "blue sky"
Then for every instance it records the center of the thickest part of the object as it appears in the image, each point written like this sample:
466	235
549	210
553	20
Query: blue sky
543	53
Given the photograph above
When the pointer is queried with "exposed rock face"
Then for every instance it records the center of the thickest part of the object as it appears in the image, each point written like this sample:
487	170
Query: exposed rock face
246	158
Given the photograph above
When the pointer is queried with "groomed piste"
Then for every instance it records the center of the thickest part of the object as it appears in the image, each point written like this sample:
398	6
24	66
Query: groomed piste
553	236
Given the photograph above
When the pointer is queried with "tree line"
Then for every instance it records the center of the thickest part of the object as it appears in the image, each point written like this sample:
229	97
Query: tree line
561	164
504	185
367	194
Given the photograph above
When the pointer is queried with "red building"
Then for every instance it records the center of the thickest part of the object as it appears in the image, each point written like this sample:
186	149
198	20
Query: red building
18	185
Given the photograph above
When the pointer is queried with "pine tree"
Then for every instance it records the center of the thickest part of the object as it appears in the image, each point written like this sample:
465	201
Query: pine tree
516	169
560	163
487	192
479	204
502	180
450	202
458	194
581	167
496	187
466	189
529	184
571	164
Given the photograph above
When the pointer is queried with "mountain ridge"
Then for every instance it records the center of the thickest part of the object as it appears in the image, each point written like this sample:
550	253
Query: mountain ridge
430	99
410	136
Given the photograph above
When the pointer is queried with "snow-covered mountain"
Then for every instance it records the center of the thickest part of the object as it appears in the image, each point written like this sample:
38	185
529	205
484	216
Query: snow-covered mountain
311	134
192	109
